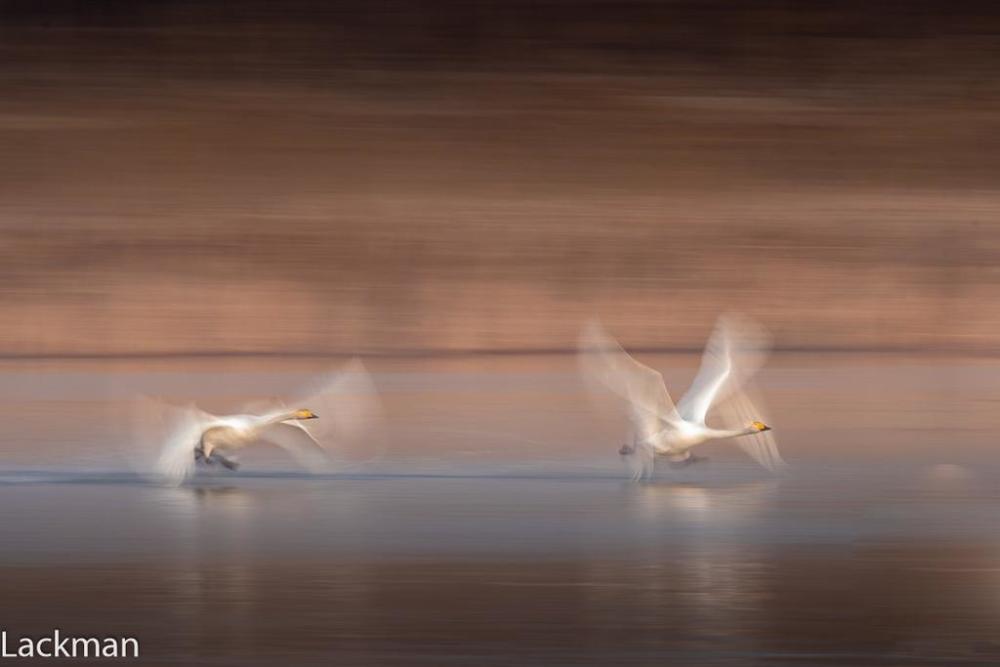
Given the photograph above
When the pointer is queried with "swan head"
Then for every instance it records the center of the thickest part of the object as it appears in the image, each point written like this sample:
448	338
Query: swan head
305	414
759	426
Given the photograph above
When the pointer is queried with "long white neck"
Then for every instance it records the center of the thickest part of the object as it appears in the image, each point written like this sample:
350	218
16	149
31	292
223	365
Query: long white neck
716	433
277	417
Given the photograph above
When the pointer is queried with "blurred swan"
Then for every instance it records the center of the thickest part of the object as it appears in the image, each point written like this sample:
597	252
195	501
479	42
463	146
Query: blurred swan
733	353
186	435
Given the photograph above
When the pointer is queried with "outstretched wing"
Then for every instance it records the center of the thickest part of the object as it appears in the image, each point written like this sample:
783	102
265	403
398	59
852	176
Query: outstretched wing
296	440
346	401
641	462
740	409
604	360
164	437
348	406
734	352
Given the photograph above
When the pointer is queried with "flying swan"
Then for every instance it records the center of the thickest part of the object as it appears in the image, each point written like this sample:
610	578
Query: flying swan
185	436
733	353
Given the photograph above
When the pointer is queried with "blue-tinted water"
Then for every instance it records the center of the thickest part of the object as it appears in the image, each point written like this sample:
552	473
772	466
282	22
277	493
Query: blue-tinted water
494	527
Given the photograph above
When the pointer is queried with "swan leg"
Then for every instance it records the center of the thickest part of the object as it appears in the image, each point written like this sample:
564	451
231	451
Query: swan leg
229	464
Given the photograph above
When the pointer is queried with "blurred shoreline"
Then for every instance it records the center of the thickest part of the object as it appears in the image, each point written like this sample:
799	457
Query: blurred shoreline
444	354
182	179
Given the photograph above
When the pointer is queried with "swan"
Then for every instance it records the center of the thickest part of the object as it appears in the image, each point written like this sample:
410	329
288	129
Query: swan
733	353
187	435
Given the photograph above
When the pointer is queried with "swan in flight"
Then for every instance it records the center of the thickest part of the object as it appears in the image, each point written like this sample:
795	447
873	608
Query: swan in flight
186	436
733	353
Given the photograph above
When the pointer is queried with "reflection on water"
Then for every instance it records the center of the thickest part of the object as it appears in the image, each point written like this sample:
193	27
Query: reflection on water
824	566
503	533
699	502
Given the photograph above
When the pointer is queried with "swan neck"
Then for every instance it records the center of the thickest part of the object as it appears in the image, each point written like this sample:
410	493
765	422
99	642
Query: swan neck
279	417
731	432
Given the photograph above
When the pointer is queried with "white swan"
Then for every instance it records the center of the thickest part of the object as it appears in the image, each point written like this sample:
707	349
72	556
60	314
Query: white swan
186	435
734	351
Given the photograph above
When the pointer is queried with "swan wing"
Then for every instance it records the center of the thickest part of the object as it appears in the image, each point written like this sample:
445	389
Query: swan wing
346	401
349	410
296	440
740	409
165	437
733	353
641	462
603	360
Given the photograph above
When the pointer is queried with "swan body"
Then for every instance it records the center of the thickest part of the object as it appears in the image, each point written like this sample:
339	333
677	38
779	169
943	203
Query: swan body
671	431
223	436
677	440
185	436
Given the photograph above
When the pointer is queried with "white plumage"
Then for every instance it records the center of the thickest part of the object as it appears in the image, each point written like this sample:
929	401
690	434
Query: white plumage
733	353
340	407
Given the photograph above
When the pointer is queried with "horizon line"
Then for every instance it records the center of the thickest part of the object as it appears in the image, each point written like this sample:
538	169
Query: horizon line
403	353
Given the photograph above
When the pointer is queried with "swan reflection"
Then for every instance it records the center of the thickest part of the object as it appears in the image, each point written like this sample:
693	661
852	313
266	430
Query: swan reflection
657	501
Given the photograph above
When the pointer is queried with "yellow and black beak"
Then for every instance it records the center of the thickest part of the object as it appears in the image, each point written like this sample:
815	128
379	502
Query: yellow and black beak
306	414
761	426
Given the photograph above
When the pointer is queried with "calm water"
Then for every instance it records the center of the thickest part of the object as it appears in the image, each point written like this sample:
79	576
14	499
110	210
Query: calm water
521	546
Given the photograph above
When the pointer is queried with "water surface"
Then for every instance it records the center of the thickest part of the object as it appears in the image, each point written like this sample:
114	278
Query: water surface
494	528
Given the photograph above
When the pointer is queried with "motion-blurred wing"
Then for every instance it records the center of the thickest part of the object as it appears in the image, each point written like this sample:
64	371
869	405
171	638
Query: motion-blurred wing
349	410
167	436
734	352
294	439
346	401
739	409
640	462
603	359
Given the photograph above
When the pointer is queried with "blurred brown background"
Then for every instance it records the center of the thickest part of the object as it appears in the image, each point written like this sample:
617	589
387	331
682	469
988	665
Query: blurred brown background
313	177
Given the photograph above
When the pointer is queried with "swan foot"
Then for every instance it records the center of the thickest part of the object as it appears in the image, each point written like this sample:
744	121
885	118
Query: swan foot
229	464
